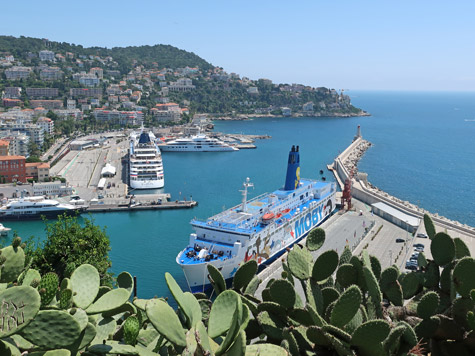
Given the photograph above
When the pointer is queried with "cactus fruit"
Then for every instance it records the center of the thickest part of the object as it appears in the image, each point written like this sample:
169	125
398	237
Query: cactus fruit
346	275
65	298
346	306
16	242
216	279
85	285
429	226
325	265
463	276
164	319
315	239
52	329
49	283
442	248
244	275
29	276
428	305
13	265
131	329
20	306
299	260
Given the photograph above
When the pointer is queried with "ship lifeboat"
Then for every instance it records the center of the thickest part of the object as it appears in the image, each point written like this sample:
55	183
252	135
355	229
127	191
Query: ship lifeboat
268	216
278	215
285	211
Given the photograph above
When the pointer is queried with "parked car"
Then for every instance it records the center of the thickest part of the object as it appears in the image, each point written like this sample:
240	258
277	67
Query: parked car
419	245
422	235
419	249
411	267
400	240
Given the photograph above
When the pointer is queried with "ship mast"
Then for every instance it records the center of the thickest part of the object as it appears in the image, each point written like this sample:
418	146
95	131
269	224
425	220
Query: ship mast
246	184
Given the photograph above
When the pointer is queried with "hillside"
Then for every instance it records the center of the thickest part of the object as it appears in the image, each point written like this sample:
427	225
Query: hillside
165	55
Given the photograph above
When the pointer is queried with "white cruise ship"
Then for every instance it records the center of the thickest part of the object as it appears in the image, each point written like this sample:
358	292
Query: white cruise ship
31	208
145	162
198	143
259	229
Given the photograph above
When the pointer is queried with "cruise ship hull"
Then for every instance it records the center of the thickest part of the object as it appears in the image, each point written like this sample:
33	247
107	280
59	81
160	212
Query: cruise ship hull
147	184
165	148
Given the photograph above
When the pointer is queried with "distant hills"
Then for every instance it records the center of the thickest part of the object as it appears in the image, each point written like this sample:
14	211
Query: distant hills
165	55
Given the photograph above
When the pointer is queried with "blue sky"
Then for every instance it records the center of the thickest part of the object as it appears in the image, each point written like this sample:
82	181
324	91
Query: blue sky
346	44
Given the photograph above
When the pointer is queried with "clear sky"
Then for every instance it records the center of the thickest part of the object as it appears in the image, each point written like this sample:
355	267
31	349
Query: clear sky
346	44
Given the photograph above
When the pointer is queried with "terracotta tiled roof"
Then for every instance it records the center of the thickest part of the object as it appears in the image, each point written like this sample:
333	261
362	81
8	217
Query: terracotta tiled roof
11	158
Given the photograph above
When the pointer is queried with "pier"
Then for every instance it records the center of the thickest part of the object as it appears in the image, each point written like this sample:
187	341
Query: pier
375	221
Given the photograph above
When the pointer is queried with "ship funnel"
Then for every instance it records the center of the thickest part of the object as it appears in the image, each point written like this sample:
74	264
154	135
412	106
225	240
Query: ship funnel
292	179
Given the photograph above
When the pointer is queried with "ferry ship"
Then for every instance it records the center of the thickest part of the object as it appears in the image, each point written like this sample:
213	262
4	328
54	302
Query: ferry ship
259	229
198	143
30	208
145	162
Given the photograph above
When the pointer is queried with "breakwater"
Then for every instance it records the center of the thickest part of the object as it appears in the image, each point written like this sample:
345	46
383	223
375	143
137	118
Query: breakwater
345	167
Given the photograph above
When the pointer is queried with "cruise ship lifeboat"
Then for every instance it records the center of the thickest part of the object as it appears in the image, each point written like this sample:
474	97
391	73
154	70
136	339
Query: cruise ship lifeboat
267	218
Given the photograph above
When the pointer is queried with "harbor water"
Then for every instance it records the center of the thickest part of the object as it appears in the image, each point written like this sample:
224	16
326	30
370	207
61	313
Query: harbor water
423	152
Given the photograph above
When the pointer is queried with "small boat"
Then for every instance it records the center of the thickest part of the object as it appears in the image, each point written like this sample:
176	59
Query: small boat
321	171
268	216
4	230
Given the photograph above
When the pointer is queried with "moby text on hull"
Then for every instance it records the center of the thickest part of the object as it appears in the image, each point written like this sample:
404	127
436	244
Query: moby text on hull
260	229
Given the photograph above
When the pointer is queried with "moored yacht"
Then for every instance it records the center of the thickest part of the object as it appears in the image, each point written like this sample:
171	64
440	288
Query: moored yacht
31	208
198	143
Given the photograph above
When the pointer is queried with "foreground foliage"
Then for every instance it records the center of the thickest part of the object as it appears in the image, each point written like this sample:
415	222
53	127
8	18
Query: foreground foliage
351	307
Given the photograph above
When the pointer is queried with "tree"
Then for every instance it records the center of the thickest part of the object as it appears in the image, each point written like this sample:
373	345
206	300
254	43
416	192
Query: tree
33	159
68	244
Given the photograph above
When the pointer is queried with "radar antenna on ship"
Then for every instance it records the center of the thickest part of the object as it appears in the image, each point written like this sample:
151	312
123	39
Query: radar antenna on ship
246	185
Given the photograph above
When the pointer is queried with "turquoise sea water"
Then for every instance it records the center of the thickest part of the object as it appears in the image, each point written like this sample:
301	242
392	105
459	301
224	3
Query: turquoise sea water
423	152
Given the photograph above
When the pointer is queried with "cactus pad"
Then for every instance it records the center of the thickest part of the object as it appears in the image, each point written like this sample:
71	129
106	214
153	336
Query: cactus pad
112	347
442	248
325	265
271	324
368	336
244	275
52	329
461	249
283	293
265	350
428	305
410	284
375	266
126	281
186	301
109	301
429	226
463	276
345	255
315	239
65	298
105	327
299	262
346	306
252	286
221	315
346	275
19	306
13	265
30	275
432	275
427	327
216	279
421	260
329	295
164	319
85	285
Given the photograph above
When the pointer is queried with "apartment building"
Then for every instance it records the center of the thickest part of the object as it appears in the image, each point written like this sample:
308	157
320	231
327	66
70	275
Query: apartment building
120	117
42	92
46	55
182	84
39	171
47	104
51	73
17	73
98	72
10	103
4	147
12	93
85	92
12	169
46	124
89	80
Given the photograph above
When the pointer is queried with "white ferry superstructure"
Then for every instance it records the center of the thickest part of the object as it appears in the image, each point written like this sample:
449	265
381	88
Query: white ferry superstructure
261	228
198	143
145	162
